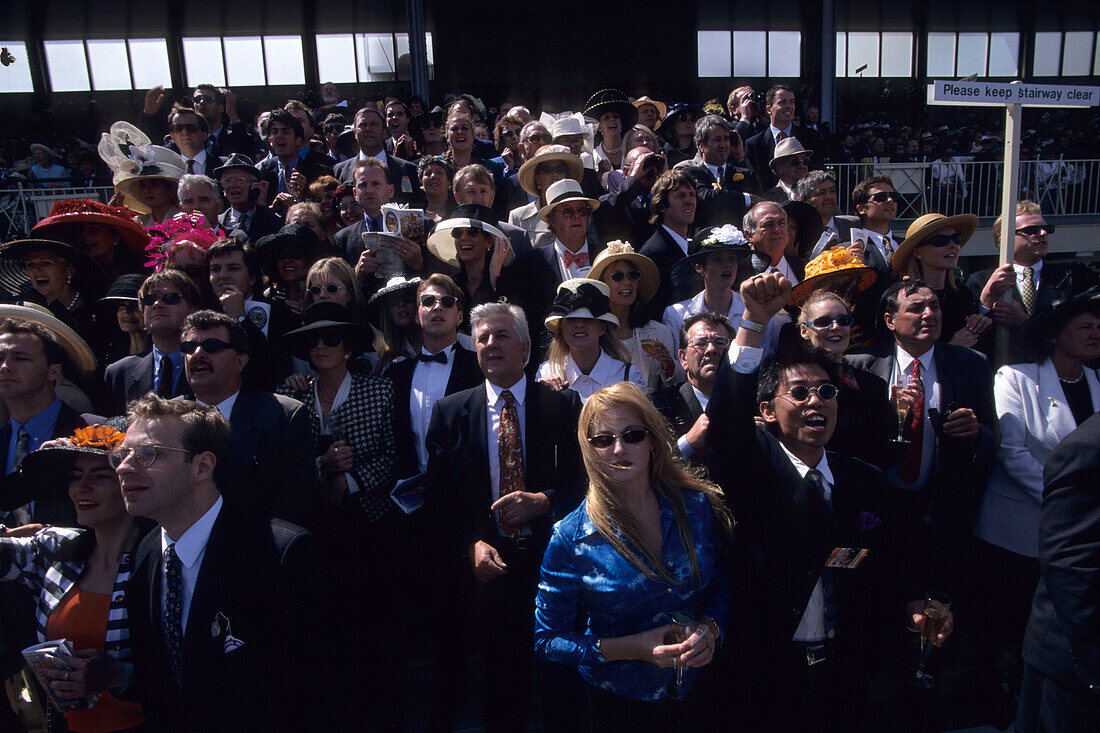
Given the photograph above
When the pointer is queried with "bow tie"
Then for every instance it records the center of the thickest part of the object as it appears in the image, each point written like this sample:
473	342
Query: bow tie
570	259
440	358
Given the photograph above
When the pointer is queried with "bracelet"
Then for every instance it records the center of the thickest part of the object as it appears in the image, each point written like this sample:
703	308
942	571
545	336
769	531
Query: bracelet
753	325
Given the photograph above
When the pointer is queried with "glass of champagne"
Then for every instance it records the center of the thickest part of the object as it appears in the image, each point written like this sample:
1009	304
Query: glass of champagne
934	616
683	624
902	409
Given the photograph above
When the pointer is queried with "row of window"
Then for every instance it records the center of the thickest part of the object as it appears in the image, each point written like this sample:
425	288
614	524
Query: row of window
239	61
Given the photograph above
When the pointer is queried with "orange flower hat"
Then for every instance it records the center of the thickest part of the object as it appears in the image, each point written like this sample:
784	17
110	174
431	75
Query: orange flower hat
831	264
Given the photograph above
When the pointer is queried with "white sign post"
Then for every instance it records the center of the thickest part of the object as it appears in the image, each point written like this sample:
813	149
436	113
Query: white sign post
1013	97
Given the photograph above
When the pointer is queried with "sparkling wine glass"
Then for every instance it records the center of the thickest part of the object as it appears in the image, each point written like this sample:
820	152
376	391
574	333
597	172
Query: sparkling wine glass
683	624
902	409
934	615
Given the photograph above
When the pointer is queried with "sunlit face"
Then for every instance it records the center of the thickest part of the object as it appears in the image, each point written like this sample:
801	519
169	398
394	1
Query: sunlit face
212	372
434	181
291	267
186	133
460	134
228	271
128	316
437	320
372	188
918	318
98	241
324	283
873	210
770	235
537	136
94	491
24	370
283	140
645	140
622	462
550	172
160	491
625	291
647	115
569	222
472	245
200	198
719	270
236	185
1030	248
473	191
701	358
682	202
834	337
938	258
397	120
306	122
716	150
611	124
501	353
781	110
324	357
163	317
824	200
49	274
808	425
582	334
308	219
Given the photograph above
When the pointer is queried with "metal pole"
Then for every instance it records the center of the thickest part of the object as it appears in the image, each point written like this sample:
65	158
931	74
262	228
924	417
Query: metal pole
1009	183
828	62
418	48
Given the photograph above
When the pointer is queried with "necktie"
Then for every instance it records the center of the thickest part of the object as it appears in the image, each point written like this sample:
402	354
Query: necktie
721	176
816	483
580	259
1028	291
164	378
888	245
284	176
22	447
510	448
173	608
909	465
439	358
190	166
781	136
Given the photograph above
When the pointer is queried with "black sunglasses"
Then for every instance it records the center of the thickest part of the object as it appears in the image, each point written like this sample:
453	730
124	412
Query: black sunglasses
620	275
202	98
328	287
822	322
606	440
942	240
169	298
210	346
330	338
460	232
801	393
190	127
429	301
1036	229
881	197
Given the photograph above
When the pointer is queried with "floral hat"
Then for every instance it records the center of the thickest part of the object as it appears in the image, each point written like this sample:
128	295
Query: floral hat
190	227
727	238
48	471
829	267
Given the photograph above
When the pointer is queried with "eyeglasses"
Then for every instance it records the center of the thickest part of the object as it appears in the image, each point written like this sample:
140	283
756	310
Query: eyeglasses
559	168
202	98
942	240
460	232
210	346
169	298
330	338
801	393
190	127
629	437
429	301
573	213
1036	229
822	322
700	344
145	455
327	287
799	162
619	276
881	197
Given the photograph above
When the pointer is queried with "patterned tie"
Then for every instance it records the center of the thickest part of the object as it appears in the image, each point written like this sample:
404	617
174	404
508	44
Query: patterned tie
22	447
780	136
510	448
284	177
888	245
909	465
173	608
1028	291
816	483
190	166
164	379
721	176
580	259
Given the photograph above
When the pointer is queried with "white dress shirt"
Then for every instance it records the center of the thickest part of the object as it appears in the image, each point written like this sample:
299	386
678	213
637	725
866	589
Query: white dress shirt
677	313
573	270
788	130
429	385
200	163
686	451
678	239
190	548
607	371
225	407
1037	270
903	361
812	625
496	404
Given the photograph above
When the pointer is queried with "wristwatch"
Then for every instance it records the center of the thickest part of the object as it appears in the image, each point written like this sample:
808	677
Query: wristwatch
753	325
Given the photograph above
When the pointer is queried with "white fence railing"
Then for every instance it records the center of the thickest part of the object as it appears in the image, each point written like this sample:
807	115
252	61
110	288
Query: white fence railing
24	203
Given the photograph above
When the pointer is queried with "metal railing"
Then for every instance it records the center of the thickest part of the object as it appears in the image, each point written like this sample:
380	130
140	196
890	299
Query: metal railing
1062	186
24	203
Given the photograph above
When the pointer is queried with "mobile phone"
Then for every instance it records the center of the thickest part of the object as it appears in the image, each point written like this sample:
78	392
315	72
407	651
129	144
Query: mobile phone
253	193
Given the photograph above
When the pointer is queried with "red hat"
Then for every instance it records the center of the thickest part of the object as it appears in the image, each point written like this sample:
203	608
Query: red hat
64	214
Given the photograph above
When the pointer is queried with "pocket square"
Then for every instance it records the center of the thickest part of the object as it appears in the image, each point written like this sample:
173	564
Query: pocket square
222	626
868	521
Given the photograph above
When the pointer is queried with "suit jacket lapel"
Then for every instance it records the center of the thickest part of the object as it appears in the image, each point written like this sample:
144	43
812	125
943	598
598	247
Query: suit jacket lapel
946	378
140	380
464	372
1051	400
478	440
694	408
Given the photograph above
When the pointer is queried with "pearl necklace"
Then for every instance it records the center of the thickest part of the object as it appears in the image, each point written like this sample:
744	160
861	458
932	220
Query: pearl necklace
1077	380
72	302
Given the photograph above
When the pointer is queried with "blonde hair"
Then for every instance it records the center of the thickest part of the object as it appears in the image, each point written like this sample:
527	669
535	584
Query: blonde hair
1025	206
915	271
669	475
559	349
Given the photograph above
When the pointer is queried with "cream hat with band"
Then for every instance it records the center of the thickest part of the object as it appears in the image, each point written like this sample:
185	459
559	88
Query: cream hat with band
560	192
549	153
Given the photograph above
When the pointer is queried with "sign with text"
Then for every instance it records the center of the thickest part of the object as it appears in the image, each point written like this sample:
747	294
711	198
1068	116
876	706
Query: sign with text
989	93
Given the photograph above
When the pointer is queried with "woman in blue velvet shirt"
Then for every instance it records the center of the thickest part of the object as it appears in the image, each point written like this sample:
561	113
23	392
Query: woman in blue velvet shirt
646	542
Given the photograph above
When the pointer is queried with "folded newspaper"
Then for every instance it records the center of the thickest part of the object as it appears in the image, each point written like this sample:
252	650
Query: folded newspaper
50	655
381	244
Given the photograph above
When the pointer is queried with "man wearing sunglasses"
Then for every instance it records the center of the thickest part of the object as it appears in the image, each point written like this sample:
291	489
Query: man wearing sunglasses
271	475
221	598
791	163
188	132
876	202
167	298
811	632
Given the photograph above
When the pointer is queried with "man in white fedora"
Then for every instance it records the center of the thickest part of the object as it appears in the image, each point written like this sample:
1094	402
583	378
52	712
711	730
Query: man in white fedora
791	163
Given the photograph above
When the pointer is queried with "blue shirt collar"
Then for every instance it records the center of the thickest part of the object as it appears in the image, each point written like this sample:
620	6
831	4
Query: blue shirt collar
41	424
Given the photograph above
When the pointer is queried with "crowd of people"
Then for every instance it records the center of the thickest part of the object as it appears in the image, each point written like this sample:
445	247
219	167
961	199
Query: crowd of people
616	400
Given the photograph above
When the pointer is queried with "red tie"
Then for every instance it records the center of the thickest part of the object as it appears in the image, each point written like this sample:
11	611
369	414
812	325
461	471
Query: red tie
909	465
510	448
570	259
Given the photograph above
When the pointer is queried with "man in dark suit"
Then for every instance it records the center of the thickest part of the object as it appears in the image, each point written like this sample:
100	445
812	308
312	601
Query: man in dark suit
221	599
474	184
271	475
370	134
626	214
167	298
765	225
951	426
760	149
243	186
818	189
1032	285
812	630
674	206
286	170
722	199
503	464
1062	644
704	340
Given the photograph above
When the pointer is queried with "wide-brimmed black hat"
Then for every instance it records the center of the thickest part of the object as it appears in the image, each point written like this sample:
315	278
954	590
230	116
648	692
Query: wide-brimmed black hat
239	162
93	278
123	290
726	238
324	316
296	238
1079	291
433	118
682	107
611	100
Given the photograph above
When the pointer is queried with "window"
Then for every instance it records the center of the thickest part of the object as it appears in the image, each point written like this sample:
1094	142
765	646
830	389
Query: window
346	57
1077	53
244	61
149	62
202	59
17	77
872	55
749	53
248	61
68	66
1074	53
982	54
283	60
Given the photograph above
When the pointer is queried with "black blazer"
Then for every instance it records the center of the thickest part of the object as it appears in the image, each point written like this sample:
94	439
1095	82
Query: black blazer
721	206
760	149
1061	639
517	237
398	170
665	252
54	508
349	243
1018	347
459	491
272	475
263	222
465	373
623	215
259	583
310	167
132	377
681	408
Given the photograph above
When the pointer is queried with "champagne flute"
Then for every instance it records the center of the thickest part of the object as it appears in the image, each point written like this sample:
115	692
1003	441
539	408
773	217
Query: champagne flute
902	410
683	624
934	616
